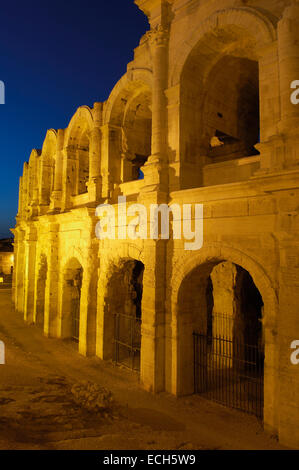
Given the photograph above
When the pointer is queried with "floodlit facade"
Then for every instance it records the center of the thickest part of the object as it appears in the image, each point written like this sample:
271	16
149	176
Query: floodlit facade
203	116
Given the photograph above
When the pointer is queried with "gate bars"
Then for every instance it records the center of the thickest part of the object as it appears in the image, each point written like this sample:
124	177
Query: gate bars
229	372
127	341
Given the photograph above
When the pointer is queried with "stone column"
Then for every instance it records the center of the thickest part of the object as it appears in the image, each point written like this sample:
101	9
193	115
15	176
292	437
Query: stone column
110	152
288	51
174	141
155	191
152	364
15	255
104	327
287	147
155	169
88	306
18	274
57	191
69	173
95	180
21	198
51	295
24	193
29	274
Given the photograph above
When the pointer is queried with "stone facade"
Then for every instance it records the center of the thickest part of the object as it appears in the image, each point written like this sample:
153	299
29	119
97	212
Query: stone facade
204	112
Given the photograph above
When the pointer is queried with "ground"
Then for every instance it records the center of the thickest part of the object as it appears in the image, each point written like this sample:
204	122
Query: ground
38	409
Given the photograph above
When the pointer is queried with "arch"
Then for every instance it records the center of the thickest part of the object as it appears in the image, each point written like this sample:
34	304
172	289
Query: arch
128	112
202	263
73	255
257	25
123	312
138	79
128	251
71	299
82	117
108	266
77	147
217	71
47	166
35	153
50	142
218	252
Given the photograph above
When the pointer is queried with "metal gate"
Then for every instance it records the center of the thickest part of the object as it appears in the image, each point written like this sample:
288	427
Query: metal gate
75	306
229	372
75	319
127	341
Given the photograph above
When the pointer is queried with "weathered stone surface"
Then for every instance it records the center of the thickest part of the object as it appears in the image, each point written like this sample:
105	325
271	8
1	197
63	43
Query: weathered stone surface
204	113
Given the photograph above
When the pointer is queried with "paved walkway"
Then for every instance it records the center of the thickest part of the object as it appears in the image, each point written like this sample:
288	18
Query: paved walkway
38	411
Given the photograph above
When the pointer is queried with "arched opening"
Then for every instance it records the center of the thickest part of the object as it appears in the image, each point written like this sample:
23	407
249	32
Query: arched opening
129	112
124	315
231	109
83	164
47	164
40	291
136	136
78	149
220	112
70	319
221	347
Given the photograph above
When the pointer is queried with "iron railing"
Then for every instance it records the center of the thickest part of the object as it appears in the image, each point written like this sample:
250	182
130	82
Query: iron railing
127	341
76	319
229	372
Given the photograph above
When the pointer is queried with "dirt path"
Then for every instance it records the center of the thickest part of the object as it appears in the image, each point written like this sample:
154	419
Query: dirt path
39	411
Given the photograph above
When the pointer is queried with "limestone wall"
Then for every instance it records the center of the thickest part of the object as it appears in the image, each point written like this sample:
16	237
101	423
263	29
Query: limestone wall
199	136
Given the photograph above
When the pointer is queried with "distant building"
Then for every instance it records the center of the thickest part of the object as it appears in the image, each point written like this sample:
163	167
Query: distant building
6	258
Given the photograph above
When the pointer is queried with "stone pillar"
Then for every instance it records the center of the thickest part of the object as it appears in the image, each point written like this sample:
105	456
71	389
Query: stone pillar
288	51
95	180
51	295
155	191
152	365
155	169
110	151
104	327
18	273
223	316
174	141
24	192
286	148
69	173
15	254
29	274
88	306
21	198
57	192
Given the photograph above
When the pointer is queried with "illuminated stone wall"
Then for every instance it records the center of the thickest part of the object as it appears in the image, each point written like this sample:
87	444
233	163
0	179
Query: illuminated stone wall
204	112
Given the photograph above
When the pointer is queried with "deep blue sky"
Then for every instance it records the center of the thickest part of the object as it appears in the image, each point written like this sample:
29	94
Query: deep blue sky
55	56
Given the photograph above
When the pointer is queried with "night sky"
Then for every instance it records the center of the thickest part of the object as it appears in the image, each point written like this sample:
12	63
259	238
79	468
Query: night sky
55	57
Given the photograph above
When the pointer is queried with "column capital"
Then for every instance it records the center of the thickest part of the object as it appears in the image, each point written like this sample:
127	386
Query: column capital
159	36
